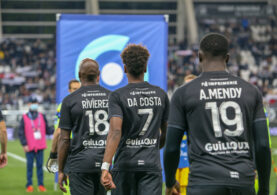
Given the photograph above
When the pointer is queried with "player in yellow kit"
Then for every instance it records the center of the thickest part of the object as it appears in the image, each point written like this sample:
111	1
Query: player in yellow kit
52	163
182	172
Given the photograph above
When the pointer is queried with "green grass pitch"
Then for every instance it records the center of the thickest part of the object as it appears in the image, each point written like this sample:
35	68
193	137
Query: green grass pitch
13	177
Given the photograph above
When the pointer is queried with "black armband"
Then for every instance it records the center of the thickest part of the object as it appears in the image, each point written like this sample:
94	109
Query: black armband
53	155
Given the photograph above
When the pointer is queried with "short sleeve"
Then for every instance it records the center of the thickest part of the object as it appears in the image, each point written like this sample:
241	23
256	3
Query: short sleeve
259	110
166	109
1	116
115	109
65	120
177	116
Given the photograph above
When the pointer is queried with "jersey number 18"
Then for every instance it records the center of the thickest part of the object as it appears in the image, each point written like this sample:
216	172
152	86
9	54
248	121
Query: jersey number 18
95	122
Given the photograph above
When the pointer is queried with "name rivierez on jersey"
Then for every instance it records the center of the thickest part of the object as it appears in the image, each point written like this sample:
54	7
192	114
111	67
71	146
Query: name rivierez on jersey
93	103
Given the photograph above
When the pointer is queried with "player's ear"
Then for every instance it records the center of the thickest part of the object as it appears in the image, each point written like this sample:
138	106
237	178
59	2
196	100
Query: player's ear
98	77
79	76
227	58
125	69
200	56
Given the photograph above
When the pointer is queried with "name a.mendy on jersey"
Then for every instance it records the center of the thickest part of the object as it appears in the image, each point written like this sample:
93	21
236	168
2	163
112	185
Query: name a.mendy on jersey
144	101
220	93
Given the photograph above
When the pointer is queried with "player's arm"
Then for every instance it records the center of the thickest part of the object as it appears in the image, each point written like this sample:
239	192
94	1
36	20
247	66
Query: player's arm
64	143
113	139
56	136
262	148
163	134
3	141
175	132
164	122
65	125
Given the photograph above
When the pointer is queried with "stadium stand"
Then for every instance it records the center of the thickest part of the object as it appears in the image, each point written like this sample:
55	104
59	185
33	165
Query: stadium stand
28	62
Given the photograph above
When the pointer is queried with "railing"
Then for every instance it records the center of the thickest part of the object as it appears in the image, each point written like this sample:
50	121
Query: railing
13	117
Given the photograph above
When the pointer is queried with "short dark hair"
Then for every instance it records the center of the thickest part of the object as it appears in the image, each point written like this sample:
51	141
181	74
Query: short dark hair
72	81
90	75
135	58
215	44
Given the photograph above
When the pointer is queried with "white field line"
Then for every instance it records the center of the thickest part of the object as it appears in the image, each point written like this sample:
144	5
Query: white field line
15	156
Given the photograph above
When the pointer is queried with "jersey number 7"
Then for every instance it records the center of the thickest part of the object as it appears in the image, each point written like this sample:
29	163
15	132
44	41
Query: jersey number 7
148	111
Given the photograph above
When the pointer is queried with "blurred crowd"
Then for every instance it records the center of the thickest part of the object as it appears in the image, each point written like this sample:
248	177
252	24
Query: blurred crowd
28	68
253	53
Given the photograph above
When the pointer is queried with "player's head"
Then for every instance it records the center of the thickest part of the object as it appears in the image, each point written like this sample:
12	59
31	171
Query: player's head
135	59
73	85
89	71
214	47
189	78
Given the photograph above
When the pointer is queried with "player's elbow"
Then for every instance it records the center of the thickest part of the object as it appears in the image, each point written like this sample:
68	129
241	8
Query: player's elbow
171	150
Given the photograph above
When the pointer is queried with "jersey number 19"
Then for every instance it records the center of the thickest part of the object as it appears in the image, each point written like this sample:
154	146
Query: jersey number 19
221	112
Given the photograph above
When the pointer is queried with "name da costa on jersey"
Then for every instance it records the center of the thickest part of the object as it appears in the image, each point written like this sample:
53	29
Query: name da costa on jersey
141	102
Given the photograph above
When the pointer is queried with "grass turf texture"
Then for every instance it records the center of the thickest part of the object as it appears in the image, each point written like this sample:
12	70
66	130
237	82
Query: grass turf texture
13	177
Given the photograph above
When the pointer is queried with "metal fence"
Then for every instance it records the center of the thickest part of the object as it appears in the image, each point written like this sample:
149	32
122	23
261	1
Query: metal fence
13	117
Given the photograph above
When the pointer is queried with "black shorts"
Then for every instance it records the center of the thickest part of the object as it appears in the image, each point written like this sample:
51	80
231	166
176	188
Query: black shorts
219	190
85	183
137	183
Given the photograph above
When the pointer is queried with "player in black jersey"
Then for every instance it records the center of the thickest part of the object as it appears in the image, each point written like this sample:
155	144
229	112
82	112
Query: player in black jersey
85	114
138	120
226	126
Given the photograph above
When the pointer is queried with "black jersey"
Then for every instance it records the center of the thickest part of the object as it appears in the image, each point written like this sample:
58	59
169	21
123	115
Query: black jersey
218	111
143	107
85	113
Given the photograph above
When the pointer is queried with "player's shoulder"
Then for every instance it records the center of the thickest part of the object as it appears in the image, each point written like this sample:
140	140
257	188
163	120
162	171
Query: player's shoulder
72	96
247	85
157	89
188	86
103	89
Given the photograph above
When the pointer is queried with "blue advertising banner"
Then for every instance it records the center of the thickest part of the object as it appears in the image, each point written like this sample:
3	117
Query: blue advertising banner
102	38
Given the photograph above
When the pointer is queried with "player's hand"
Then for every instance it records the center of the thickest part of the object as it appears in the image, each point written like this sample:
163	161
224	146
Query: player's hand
107	180
52	163
62	180
26	148
3	160
175	190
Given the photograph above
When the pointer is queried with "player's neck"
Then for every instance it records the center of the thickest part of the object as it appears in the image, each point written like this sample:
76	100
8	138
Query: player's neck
132	79
87	83
214	66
